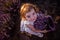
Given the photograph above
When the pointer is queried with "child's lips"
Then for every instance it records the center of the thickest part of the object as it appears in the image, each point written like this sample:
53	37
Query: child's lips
34	19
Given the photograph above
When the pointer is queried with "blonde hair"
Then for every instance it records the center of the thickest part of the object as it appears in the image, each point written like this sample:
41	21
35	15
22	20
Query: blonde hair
26	8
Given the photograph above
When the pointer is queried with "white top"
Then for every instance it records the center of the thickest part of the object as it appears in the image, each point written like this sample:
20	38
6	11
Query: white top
23	27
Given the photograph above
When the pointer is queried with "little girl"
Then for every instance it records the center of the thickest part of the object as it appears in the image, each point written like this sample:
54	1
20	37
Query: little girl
28	16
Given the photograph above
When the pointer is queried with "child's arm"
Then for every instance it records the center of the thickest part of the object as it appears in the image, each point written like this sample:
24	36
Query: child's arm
33	29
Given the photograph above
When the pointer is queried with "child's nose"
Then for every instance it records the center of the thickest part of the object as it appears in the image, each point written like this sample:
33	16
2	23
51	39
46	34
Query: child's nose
33	18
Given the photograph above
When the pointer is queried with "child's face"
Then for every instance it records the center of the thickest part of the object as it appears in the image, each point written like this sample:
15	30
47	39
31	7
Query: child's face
31	15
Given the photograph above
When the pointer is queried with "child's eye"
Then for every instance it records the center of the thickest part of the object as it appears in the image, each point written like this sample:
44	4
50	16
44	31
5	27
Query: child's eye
33	13
28	16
